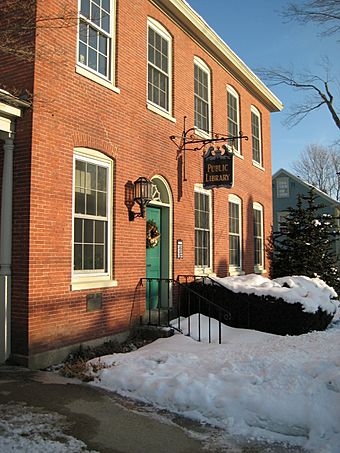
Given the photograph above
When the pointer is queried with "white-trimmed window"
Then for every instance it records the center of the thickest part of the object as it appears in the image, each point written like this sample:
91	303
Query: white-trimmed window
96	37
256	138
258	236
92	213
159	65
235	233
282	187
202	96
233	112
203	230
281	221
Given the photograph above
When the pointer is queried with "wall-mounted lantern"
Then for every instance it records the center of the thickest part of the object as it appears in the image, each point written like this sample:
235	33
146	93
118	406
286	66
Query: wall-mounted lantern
139	192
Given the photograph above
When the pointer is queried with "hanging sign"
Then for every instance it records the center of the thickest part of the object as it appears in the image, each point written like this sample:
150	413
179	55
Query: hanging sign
218	168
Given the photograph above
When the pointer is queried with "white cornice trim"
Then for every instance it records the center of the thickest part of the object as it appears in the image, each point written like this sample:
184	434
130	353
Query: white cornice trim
196	24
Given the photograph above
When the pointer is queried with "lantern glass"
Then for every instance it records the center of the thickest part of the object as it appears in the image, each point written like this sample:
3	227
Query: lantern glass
143	190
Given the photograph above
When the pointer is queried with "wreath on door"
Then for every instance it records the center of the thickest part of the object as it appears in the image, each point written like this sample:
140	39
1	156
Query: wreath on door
152	234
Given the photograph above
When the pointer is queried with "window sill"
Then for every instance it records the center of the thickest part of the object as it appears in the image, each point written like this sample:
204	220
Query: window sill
234	272
257	165
204	272
160	112
259	270
202	133
89	75
238	155
78	285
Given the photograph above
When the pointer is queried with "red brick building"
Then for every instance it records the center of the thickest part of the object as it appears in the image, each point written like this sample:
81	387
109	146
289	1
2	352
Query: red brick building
109	90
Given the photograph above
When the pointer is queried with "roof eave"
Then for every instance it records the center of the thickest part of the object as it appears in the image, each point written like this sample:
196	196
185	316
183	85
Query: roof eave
193	22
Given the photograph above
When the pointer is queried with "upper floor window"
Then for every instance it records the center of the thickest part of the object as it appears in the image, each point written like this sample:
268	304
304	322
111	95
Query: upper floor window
159	66
235	233
256	136
95	44
203	230
233	112
282	187
258	236
202	96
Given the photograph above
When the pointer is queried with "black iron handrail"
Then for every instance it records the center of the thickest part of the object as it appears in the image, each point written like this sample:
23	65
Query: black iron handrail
171	307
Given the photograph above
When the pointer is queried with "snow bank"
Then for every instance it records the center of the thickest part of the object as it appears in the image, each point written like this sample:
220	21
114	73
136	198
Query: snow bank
257	385
312	293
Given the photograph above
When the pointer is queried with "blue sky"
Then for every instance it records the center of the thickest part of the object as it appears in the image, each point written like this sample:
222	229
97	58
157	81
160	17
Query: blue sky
255	30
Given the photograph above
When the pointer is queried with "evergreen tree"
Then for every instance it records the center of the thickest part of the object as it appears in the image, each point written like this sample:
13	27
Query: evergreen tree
304	244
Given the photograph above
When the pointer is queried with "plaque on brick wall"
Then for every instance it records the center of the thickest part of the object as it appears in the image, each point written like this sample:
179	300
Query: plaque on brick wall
218	168
179	249
94	301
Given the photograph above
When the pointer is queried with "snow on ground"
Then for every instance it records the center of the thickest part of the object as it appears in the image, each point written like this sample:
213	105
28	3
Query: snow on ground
312	293
257	385
26	429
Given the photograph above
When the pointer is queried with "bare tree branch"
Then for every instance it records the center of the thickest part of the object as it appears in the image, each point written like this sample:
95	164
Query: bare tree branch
320	166
20	25
319	88
322	12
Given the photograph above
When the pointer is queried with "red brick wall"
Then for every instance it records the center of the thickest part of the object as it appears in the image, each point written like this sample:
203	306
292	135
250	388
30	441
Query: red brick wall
71	111
16	76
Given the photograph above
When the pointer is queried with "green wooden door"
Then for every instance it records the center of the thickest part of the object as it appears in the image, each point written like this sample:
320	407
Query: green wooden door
153	260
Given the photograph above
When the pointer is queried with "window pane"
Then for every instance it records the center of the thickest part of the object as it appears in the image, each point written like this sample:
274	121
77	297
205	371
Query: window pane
101	204
158	41
103	44
83	32
91	177
88	257
82	53
80	173
99	257
85	7
151	37
158	59
102	65
79	202
78	257
95	17
101	183
93	38
106	5
99	235
91	203
78	230
151	55
88	231
105	22
92	59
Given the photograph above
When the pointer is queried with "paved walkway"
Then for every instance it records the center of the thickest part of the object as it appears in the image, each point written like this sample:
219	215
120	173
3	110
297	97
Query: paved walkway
62	415
103	421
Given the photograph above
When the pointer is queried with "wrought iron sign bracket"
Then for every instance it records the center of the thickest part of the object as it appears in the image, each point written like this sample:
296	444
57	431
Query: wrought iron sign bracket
191	141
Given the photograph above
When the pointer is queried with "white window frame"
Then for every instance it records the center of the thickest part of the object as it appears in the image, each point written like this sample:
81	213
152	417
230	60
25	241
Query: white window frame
162	31
279	192
199	270
236	270
204	67
258	267
280	216
257	113
88	279
85	70
231	91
